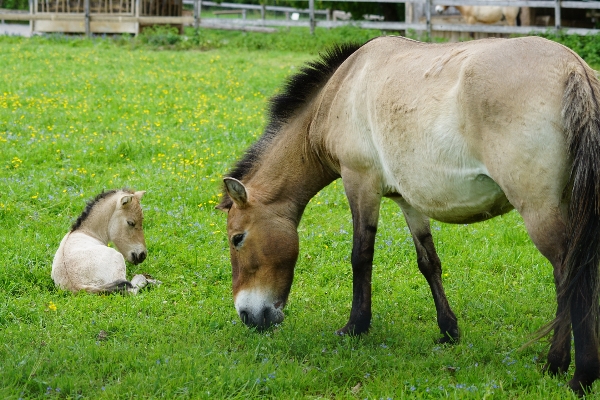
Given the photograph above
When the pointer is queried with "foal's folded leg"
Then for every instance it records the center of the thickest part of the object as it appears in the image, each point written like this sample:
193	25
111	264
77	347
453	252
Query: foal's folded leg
138	282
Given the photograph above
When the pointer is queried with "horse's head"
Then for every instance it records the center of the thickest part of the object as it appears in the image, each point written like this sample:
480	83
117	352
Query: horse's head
125	227
264	248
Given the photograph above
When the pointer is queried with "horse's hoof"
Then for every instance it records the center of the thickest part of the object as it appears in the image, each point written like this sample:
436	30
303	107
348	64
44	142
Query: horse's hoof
557	363
450	337
582	383
352	330
579	388
554	370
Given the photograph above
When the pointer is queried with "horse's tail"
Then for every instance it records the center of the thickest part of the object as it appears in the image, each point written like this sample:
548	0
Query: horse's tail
581	275
118	286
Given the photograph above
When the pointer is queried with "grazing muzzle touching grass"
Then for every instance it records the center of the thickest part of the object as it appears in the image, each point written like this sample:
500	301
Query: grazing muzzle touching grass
257	309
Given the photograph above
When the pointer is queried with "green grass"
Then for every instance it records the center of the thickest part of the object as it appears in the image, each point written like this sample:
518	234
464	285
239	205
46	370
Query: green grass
79	116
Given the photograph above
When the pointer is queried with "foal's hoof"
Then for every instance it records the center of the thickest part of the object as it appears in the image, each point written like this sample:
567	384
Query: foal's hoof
151	280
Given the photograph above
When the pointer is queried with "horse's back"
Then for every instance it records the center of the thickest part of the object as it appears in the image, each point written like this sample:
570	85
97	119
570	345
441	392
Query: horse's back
82	262
452	127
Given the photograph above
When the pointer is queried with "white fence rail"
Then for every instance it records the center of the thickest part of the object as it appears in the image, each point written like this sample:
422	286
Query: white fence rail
87	18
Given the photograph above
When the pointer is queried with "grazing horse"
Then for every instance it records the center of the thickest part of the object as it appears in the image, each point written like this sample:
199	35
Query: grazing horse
457	132
84	261
485	14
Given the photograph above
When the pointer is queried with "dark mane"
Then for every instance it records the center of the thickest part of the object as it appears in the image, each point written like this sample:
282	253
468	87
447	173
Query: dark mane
90	204
297	91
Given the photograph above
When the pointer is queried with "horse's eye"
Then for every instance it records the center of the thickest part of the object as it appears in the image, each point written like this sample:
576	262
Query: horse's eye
130	223
236	240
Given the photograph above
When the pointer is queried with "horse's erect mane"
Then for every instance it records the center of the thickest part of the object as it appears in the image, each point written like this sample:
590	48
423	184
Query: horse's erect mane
297	91
91	203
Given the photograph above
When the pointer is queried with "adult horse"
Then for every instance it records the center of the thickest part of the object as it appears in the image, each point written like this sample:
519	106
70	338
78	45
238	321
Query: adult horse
485	14
457	132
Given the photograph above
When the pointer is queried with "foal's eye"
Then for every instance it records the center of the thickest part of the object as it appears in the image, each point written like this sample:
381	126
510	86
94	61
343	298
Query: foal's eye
130	223
236	240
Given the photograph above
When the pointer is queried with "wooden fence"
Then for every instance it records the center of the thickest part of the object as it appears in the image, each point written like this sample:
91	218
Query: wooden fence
127	16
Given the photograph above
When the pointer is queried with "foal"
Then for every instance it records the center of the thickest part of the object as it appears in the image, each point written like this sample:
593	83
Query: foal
84	261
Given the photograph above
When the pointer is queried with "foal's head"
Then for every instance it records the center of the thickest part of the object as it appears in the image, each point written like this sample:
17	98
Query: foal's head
125	227
264	249
118	214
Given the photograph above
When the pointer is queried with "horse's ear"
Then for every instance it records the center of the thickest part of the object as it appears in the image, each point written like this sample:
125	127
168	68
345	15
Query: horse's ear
236	191
139	194
126	200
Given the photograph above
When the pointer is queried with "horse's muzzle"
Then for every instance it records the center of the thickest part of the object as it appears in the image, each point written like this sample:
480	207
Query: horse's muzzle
137	258
262	320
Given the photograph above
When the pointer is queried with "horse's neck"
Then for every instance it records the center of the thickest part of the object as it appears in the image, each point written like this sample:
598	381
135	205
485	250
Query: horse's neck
96	224
290	172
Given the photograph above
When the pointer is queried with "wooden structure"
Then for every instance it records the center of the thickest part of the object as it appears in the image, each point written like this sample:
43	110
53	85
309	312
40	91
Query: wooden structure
126	16
100	16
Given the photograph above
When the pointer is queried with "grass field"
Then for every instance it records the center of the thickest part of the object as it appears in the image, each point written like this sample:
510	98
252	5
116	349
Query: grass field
79	116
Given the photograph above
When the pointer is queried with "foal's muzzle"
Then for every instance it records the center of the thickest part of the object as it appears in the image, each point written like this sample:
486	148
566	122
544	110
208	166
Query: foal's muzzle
137	258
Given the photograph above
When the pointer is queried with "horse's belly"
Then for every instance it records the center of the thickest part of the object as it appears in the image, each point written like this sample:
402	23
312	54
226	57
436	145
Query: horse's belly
458	198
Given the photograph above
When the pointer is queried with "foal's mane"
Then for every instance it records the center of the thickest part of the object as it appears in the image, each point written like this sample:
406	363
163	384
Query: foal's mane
91	203
297	91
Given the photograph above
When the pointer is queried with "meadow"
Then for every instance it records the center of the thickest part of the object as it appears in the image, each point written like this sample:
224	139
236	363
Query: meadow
170	116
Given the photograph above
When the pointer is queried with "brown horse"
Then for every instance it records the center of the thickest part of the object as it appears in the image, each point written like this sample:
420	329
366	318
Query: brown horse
457	132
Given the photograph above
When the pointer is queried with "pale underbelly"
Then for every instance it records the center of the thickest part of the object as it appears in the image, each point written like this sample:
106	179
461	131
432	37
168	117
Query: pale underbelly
456	199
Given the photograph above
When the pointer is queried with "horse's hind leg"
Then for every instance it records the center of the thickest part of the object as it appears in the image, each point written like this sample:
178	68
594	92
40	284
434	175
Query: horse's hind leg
431	268
548	232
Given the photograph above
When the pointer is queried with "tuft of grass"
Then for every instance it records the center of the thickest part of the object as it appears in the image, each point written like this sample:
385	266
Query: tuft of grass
78	116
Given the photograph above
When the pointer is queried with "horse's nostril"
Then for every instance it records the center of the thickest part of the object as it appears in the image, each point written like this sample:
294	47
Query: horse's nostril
142	256
244	317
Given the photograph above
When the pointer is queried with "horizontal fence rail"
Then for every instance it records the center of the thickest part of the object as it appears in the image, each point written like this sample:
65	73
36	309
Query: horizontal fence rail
132	16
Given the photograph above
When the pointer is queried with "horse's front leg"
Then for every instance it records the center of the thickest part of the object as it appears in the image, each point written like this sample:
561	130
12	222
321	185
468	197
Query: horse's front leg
364	197
431	268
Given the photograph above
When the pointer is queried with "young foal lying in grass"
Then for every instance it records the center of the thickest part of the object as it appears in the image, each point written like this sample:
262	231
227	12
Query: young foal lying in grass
85	262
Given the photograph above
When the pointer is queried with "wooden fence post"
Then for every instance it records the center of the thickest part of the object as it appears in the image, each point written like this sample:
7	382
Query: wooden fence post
428	18
311	15
31	12
197	10
86	15
557	18
138	12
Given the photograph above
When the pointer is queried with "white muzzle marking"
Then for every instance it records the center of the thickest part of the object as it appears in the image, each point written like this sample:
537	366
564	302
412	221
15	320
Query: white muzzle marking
258	305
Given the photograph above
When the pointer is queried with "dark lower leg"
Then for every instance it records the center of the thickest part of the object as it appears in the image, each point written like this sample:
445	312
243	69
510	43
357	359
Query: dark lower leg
362	268
431	268
587	361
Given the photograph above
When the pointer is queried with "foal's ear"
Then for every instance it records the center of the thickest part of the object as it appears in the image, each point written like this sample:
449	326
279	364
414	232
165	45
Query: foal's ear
237	191
126	200
139	194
